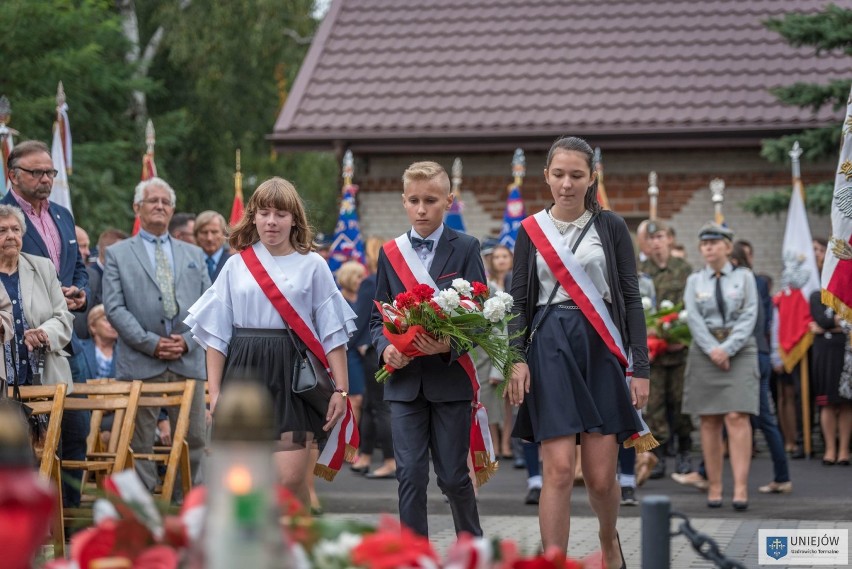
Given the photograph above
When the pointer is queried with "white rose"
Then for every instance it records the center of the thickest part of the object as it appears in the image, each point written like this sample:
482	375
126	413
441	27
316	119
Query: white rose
451	299
463	287
666	305
646	303
494	310
682	315
333	554
506	299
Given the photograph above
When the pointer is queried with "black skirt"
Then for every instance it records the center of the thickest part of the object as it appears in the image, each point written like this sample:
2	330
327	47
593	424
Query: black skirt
826	367
577	385
268	356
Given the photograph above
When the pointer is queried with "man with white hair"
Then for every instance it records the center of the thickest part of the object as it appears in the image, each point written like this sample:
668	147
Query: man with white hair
149	282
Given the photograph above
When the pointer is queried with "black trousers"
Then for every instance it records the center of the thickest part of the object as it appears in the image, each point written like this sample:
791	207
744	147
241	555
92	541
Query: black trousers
421	426
375	426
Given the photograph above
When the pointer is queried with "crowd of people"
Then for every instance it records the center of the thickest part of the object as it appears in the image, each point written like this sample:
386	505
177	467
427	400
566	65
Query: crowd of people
190	297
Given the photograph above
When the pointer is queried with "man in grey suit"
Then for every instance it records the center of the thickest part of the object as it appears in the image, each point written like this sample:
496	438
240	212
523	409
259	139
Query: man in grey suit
149	282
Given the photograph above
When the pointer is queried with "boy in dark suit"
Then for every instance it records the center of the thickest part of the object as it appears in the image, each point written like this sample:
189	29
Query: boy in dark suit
430	396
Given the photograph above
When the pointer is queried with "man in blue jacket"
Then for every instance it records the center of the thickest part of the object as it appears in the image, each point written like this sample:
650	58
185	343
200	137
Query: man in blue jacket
50	233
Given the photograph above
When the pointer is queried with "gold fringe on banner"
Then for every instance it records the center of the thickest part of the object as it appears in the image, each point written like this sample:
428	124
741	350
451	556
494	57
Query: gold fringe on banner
837	305
642	444
794	356
487	467
324	472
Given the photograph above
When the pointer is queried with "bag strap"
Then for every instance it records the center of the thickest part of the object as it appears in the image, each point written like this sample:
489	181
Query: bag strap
13	353
556	288
302	356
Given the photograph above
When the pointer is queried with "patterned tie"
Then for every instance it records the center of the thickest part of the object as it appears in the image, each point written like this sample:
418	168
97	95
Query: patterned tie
417	242
211	267
165	281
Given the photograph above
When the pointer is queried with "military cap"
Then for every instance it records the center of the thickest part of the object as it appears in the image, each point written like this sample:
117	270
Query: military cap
655	225
712	230
488	245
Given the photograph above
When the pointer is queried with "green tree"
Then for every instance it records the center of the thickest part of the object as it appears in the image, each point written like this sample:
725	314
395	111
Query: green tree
80	43
827	31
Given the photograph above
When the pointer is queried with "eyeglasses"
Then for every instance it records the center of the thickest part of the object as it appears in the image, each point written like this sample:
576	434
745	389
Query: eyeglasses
37	174
165	202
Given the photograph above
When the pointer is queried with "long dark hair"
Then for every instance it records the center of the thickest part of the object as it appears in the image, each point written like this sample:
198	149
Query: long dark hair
575	144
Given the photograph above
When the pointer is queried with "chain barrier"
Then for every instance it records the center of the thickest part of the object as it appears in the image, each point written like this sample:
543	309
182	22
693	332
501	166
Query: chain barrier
703	544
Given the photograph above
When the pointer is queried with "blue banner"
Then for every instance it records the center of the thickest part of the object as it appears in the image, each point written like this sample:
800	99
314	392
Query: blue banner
512	218
347	244
454	219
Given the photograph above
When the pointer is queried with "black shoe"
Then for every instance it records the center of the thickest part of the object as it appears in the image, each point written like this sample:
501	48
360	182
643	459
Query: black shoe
519	463
533	496
659	470
798	454
714	503
623	560
628	496
741	506
684	463
359	469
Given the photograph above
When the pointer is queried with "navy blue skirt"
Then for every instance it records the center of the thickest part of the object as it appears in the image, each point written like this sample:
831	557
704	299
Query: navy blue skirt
577	385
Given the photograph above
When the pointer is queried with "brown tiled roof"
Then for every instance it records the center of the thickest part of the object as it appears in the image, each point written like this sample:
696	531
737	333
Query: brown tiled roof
486	70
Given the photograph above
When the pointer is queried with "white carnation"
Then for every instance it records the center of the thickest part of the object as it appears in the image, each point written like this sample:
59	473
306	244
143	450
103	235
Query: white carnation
666	305
335	554
450	297
646	303
506	299
463	287
494	310
442	302
682	315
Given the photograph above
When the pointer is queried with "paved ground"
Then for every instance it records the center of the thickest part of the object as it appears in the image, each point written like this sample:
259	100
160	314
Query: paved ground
822	498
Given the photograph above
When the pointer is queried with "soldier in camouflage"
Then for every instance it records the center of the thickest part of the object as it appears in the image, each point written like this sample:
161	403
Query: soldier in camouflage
669	274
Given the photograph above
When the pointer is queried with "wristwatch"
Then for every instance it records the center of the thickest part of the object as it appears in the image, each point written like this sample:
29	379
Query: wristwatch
343	393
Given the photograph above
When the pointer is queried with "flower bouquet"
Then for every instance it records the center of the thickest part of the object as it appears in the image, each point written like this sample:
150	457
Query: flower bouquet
463	315
666	326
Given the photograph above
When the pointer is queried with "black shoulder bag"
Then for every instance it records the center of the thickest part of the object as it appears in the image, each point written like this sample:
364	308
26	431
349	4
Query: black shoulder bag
311	381
556	288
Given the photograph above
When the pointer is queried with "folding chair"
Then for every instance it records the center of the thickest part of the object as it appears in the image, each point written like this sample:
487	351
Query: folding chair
49	400
175	457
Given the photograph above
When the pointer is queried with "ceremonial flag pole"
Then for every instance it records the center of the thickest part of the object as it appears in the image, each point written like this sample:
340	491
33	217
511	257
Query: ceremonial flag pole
454	219
347	244
515	212
602	197
7	142
61	151
837	269
799	279
653	192
149	168
237	207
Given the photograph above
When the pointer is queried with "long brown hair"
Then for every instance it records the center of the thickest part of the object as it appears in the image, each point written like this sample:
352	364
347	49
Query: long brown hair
280	194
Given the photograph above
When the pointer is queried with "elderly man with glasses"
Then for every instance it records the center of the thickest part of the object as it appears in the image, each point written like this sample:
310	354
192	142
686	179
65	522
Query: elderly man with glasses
50	233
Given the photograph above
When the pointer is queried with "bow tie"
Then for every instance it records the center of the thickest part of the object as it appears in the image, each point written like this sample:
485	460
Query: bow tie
416	242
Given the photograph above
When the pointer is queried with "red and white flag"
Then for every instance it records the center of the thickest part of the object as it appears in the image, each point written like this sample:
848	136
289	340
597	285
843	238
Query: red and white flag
799	279
837	271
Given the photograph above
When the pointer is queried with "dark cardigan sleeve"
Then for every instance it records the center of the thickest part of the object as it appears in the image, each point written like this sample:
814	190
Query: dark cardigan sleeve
634	316
818	312
520	292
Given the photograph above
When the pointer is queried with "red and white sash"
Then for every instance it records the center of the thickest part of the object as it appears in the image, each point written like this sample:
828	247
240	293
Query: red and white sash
344	438
410	270
579	286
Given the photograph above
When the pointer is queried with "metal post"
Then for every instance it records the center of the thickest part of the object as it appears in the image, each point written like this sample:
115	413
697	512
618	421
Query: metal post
656	542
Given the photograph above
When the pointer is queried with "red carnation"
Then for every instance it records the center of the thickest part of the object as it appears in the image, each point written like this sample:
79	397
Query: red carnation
479	289
423	292
392	546
405	300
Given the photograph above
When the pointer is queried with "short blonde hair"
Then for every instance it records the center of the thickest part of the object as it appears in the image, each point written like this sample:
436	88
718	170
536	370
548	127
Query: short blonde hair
96	313
280	194
347	273
427	171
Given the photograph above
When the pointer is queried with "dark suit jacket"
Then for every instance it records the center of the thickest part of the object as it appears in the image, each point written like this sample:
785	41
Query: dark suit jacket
220	264
90	360
72	270
81	319
440	377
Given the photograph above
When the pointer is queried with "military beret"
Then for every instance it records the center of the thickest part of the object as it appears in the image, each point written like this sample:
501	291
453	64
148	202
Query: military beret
712	230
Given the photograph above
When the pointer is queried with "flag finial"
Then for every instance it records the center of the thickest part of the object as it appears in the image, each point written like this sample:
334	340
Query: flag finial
795	153
519	166
653	192
717	190
150	136
348	168
60	95
457	174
